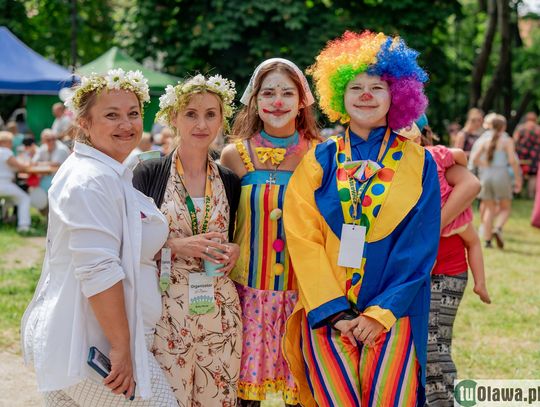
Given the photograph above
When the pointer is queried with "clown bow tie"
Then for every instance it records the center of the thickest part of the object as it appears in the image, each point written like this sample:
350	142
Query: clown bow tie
362	170
275	155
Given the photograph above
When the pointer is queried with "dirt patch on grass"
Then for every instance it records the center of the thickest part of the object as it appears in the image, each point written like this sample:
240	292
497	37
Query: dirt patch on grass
17	382
27	255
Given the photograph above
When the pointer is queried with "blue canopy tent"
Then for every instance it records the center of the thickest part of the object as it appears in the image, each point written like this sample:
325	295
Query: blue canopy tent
25	72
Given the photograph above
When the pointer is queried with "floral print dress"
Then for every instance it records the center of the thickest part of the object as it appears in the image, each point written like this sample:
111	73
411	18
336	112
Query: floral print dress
200	354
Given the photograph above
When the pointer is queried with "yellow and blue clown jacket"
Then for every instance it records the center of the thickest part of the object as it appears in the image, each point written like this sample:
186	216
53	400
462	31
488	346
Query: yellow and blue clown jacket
401	246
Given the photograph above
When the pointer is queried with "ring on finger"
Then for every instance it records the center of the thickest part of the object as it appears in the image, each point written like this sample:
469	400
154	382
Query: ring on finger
207	249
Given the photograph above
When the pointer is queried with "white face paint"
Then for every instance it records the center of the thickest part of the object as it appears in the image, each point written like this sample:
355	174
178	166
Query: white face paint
367	101
278	102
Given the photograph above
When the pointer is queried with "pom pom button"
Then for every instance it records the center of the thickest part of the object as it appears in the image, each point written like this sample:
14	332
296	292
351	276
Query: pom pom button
278	269
276	214
278	245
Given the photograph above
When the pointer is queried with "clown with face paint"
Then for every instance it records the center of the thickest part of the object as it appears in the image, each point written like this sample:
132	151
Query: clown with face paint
274	131
362	218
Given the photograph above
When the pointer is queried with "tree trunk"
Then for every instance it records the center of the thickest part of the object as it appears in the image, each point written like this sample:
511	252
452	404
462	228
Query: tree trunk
482	60
500	79
482	5
522	108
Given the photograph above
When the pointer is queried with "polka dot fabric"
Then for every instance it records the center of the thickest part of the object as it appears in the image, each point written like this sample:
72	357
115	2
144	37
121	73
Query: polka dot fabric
371	202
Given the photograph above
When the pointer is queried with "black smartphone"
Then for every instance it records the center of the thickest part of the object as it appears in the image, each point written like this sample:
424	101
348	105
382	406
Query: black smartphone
101	364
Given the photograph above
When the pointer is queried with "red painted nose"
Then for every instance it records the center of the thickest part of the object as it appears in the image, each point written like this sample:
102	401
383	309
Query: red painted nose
366	96
278	104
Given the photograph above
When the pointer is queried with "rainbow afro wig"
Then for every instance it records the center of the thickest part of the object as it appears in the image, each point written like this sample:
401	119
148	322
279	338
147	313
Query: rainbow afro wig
375	54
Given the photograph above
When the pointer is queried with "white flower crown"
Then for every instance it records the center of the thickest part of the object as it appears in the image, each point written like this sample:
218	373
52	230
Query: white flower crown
217	84
114	79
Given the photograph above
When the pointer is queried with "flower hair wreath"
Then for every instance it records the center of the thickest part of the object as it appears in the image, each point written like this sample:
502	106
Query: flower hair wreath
115	79
176	96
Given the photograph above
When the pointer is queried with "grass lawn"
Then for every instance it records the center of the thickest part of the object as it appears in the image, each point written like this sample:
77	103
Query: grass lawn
497	341
502	340
17	284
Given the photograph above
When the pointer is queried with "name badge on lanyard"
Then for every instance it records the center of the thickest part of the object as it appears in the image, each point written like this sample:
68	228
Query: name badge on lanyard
201	294
351	247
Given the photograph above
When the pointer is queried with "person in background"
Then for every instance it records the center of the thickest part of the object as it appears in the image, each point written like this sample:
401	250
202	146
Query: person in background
52	152
17	136
527	139
99	284
29	150
493	156
61	122
167	141
144	145
452	130
19	117
472	130
535	215
198	344
8	189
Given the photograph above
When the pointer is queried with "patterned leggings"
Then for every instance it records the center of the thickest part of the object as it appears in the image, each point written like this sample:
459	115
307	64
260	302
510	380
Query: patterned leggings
446	295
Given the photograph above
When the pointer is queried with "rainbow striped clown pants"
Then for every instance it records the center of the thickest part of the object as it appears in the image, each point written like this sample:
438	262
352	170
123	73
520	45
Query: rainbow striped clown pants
349	375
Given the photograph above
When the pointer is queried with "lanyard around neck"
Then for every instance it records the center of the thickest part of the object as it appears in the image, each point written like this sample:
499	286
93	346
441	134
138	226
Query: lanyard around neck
355	193
382	149
189	201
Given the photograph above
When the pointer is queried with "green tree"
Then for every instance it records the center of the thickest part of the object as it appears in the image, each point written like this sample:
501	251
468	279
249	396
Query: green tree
234	36
45	26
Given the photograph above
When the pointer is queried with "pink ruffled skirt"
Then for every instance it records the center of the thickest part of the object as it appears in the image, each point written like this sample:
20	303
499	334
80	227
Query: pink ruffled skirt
263	368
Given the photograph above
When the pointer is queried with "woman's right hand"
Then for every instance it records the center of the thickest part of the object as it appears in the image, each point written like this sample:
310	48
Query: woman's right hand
121	380
204	246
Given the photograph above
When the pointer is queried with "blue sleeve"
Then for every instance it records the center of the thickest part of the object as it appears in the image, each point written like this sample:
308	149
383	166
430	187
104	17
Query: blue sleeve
414	252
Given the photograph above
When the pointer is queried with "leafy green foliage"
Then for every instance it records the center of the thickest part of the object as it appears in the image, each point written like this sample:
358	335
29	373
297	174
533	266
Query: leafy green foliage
232	37
45	26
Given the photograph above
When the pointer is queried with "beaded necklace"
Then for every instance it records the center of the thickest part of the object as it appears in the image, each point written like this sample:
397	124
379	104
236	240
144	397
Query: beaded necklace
189	202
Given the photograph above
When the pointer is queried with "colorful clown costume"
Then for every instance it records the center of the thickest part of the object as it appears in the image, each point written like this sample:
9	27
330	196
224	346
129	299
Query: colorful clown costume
400	208
265	281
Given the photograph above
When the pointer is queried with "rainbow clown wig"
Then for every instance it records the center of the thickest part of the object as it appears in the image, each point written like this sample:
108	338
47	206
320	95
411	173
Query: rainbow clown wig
375	54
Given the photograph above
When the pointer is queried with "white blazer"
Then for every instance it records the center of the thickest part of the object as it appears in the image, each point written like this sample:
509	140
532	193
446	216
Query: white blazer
93	241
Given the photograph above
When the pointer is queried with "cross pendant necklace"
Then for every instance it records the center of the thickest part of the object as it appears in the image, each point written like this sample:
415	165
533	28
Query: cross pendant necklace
271	179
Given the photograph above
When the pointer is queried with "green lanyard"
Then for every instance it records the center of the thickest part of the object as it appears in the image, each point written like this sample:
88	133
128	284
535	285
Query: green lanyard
356	194
189	202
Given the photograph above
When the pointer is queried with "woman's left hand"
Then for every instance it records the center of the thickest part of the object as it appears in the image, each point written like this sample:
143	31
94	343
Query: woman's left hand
367	330
233	253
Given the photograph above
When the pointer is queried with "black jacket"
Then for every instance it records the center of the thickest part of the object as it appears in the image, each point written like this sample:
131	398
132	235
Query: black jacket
151	176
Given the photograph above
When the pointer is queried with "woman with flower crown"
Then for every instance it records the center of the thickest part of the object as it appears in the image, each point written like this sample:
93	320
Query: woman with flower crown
198	338
274	130
362	218
99	284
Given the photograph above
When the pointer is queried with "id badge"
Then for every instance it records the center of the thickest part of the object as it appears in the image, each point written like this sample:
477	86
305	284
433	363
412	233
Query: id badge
201	294
351	247
165	270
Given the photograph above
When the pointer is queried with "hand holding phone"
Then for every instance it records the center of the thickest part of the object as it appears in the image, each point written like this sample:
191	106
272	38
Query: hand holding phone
102	364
